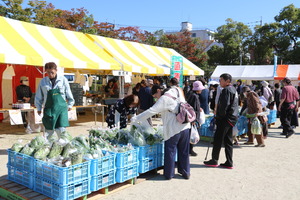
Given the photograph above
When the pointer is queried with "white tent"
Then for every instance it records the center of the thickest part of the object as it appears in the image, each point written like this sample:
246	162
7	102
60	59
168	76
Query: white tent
258	72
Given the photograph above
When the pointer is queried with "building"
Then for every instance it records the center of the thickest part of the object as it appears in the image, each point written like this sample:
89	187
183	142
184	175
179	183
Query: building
205	35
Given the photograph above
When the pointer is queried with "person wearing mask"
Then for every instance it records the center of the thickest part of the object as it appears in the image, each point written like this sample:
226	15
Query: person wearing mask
226	118
24	95
176	135
204	98
118	114
195	103
289	101
55	98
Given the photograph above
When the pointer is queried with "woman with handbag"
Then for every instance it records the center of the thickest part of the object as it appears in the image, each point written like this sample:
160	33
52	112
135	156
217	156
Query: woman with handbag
194	101
176	134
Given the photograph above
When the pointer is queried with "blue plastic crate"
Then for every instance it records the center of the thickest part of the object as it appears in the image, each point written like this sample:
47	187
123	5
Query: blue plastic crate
103	165
20	176
62	192
127	158
147	164
161	148
147	151
160	160
242	125
203	130
62	175
103	180
20	161
126	173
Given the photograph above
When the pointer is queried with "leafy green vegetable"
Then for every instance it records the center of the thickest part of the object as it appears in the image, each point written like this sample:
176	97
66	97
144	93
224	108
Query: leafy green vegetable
56	150
76	158
27	150
37	142
42	152
16	147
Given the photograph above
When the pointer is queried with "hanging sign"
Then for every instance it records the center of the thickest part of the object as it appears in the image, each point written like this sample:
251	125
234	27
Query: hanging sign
15	117
177	69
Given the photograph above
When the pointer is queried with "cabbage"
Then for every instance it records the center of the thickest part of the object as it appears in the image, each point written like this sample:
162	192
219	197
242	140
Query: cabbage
42	152
27	150
37	142
17	147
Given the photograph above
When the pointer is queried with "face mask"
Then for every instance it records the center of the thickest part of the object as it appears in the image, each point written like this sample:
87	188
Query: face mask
26	83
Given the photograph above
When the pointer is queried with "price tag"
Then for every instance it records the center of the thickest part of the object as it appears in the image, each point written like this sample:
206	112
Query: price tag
78	189
130	172
105	180
77	173
130	157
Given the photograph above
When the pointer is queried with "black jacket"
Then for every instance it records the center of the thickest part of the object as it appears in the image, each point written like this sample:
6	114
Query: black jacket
227	109
194	101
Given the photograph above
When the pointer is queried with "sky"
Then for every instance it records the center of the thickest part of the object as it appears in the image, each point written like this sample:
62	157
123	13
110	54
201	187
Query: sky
154	15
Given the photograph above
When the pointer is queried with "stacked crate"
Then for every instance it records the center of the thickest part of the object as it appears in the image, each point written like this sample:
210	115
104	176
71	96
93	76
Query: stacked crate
147	158
126	165
160	154
103	171
60	183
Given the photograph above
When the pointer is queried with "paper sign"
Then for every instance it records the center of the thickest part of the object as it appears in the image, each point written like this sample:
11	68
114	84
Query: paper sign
72	114
15	117
37	117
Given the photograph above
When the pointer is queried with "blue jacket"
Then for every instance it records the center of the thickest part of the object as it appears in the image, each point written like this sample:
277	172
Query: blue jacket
46	85
204	99
145	97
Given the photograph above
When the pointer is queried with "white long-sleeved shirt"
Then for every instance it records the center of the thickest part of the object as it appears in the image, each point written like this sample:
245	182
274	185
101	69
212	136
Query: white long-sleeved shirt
167	107
45	85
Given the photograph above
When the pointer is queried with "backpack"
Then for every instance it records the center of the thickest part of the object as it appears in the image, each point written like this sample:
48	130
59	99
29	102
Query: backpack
185	113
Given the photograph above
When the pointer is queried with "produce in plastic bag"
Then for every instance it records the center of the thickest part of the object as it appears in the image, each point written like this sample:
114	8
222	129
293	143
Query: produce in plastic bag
42	152
52	138
76	158
68	149
37	142
17	147
27	150
56	150
255	126
65	137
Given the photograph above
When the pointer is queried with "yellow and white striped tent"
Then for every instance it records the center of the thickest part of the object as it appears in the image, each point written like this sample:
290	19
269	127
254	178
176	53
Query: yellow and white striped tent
31	44
142	58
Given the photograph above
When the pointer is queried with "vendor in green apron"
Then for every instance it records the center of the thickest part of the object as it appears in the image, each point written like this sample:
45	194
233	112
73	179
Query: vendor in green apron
54	96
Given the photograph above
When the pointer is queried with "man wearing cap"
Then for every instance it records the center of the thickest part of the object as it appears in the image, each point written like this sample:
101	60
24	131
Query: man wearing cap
289	101
145	97
24	94
194	101
54	96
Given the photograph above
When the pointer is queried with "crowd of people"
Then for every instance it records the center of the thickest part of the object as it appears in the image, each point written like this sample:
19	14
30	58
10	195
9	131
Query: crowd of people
225	100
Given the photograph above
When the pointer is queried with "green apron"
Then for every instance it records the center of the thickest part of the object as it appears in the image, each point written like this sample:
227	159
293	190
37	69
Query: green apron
55	111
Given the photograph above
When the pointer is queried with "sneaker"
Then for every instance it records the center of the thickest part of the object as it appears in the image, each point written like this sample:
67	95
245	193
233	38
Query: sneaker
249	143
260	145
211	163
226	165
289	134
193	153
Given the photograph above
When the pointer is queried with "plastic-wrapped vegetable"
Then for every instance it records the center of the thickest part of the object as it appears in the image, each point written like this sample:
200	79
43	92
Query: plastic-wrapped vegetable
37	142
52	138
83	141
65	137
68	149
27	150
255	126
17	147
42	152
137	139
76	158
56	150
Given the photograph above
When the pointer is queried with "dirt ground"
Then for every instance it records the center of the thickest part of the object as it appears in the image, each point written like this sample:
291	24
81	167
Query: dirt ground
268	173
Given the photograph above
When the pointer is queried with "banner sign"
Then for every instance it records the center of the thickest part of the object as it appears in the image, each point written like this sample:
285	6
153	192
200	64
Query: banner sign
177	69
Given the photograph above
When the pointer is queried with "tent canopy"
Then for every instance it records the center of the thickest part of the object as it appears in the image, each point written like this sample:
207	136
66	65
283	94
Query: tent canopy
142	58
258	72
31	44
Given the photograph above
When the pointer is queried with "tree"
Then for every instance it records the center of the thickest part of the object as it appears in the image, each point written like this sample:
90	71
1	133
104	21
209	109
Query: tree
13	9
234	38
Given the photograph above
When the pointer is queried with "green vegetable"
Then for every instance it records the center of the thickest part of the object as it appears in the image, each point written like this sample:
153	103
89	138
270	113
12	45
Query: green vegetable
27	150
37	142
76	158
16	147
68	149
42	153
53	138
56	150
66	137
